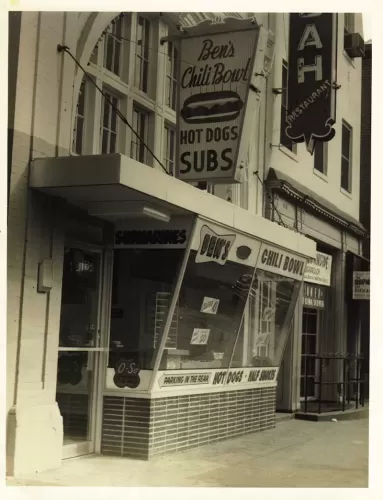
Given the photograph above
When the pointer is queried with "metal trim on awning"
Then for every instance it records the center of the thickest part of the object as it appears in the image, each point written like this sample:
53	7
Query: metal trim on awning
279	181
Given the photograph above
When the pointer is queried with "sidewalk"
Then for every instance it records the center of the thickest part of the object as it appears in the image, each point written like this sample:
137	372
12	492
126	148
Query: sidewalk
294	454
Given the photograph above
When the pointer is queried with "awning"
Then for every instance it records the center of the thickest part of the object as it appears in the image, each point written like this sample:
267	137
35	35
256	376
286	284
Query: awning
279	181
114	186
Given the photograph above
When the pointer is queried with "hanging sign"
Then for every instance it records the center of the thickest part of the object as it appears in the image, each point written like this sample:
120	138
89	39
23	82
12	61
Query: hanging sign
319	270
313	296
278	261
361	285
311	98
213	85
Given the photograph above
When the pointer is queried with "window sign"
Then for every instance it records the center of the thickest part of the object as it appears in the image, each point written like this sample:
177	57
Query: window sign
279	261
210	305
318	270
200	336
361	285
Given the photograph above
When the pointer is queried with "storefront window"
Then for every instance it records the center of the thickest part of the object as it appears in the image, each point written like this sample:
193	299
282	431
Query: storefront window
271	305
208	315
143	281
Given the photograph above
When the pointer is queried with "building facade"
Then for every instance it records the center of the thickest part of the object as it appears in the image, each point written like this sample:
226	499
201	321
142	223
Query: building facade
146	315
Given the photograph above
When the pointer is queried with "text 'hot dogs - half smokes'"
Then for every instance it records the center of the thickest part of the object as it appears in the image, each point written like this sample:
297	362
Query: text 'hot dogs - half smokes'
216	74
212	107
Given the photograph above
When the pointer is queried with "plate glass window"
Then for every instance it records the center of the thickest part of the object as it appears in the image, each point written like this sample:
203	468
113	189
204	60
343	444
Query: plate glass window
109	124
141	76
171	75
346	157
284	140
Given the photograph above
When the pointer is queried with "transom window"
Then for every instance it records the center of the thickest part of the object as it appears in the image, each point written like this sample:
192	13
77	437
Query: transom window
171	75
109	124
346	157
141	76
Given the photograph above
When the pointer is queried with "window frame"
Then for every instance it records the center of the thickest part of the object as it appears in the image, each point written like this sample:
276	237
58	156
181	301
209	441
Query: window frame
117	102
324	145
347	189
143	57
169	162
83	93
171	76
111	34
349	22
284	141
143	152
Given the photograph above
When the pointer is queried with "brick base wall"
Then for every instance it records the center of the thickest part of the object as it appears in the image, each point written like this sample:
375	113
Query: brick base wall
141	428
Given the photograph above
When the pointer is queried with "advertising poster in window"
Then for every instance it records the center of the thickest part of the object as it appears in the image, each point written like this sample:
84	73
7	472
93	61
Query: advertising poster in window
213	83
318	271
361	285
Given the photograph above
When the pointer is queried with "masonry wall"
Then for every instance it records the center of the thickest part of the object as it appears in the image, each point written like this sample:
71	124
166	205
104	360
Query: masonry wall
40	127
143	428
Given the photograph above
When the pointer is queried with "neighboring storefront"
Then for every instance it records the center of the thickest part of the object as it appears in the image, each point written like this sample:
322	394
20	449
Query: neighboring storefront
327	319
153	354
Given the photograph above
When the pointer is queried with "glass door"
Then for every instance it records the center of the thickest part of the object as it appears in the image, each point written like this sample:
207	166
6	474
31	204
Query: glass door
309	347
80	343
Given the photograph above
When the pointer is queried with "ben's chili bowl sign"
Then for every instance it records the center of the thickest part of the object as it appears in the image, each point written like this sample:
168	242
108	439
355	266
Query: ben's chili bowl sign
213	85
278	261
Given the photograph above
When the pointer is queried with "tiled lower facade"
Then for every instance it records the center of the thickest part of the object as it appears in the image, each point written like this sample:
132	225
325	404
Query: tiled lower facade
143	429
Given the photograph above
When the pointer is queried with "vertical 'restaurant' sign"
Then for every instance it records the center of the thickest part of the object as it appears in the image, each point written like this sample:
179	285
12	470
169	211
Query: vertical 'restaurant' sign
213	84
311	94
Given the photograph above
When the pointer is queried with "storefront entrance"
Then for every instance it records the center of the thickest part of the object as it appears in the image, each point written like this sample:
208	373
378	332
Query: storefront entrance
309	347
83	332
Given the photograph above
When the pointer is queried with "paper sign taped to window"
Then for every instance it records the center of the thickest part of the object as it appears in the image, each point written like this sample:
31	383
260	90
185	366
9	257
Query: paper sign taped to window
200	336
210	305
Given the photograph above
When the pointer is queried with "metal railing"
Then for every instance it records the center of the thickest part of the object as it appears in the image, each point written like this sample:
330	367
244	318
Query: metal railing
349	363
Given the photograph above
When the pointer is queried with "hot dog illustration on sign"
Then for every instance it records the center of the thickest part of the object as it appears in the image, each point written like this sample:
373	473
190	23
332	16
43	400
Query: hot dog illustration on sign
214	247
212	107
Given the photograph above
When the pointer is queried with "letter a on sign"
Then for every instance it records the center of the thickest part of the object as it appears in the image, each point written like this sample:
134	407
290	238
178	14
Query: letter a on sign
311	96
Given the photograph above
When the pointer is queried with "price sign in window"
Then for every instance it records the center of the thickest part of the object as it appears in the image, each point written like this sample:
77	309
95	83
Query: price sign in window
200	336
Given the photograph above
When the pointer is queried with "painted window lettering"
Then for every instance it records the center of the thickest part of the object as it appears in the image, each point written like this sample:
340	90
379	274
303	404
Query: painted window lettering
214	247
280	261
